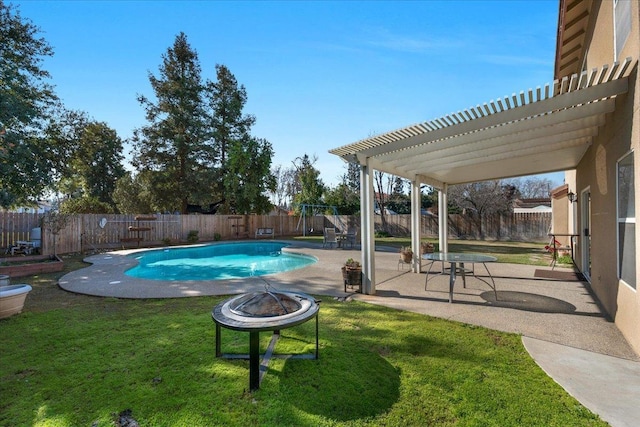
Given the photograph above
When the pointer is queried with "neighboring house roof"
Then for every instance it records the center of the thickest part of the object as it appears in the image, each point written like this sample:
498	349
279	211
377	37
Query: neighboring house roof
532	203
42	207
535	209
278	211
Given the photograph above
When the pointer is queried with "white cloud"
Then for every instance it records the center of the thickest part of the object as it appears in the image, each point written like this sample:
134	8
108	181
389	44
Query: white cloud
516	61
385	39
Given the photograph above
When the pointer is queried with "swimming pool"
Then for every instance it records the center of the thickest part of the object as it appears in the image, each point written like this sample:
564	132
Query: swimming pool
217	261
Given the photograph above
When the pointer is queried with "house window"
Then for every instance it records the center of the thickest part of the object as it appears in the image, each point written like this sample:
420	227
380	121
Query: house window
626	221
622	24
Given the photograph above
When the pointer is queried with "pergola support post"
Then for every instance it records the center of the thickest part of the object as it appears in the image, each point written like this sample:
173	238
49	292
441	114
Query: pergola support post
443	219
367	226
416	214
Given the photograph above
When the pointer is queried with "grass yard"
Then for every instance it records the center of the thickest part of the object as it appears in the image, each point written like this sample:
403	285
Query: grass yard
530	253
73	360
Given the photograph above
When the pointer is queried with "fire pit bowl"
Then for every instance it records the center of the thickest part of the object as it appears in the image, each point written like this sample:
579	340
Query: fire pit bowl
256	312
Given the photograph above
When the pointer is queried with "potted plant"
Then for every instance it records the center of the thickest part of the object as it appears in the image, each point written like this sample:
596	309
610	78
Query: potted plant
427	247
352	274
406	254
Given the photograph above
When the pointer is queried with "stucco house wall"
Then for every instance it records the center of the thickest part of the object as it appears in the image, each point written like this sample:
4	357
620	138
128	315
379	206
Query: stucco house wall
560	209
598	168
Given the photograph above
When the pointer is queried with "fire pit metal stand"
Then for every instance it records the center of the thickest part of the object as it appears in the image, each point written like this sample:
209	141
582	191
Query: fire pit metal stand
224	317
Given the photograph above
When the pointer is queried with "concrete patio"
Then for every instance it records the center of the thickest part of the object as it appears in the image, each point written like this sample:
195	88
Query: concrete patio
561	323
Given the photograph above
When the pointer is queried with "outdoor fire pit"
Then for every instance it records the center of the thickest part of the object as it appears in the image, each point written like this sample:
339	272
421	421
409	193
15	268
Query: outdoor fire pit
256	312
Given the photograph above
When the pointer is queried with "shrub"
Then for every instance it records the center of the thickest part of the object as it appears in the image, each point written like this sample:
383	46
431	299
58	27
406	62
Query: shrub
192	237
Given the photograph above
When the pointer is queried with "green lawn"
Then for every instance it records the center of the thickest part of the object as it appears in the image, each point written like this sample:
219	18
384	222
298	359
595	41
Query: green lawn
531	253
73	360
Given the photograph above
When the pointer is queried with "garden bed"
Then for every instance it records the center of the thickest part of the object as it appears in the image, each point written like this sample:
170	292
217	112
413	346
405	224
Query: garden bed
30	265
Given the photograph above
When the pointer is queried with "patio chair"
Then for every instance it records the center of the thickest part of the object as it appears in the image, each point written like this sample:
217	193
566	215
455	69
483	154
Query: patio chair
329	237
352	235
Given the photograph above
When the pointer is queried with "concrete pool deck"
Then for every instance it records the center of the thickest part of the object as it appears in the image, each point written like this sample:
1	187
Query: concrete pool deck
106	277
561	324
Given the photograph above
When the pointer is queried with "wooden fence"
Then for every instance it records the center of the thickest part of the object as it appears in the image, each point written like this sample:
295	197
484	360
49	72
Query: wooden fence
530	227
90	232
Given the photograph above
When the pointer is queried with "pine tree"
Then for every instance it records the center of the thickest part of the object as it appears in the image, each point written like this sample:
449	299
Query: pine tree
174	150
352	178
244	161
197	148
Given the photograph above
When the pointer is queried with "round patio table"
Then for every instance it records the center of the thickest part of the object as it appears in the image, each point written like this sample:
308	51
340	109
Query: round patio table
457	262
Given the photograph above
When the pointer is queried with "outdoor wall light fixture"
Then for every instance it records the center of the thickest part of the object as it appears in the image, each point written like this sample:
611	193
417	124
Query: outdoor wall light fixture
572	197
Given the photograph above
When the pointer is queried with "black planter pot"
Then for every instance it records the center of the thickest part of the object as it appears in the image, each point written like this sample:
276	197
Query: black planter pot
352	277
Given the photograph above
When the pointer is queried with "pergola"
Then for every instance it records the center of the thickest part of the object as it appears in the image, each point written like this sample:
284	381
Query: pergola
538	131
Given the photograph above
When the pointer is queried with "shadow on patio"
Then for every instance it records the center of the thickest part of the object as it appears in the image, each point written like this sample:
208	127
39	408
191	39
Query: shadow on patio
558	311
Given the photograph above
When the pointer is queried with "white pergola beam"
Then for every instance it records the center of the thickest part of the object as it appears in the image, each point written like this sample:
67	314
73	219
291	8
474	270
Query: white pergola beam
427	180
520	153
541	140
529	165
550	105
540	124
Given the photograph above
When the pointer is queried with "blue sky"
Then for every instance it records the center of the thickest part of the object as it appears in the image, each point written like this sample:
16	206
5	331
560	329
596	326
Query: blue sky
318	75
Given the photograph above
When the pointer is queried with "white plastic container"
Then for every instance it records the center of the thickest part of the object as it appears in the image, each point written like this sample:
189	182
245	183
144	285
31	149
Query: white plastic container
12	299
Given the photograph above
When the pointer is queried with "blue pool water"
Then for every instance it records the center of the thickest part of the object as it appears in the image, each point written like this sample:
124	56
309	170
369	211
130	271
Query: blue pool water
217	261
